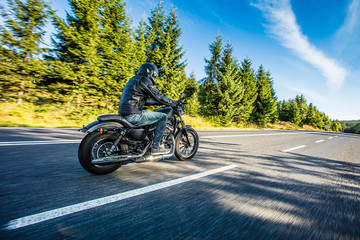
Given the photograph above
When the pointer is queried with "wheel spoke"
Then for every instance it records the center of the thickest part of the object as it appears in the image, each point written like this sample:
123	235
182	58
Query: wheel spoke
186	148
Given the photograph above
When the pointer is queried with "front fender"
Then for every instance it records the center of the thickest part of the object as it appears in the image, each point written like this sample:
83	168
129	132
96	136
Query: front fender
181	130
97	124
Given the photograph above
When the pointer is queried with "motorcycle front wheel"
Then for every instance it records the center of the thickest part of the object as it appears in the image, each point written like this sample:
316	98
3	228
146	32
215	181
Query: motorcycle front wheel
185	150
95	145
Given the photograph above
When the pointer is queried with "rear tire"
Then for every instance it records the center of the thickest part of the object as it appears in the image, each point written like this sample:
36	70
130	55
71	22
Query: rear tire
183	152
89	149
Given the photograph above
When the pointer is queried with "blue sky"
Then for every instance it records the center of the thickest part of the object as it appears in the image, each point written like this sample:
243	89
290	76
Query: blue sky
310	47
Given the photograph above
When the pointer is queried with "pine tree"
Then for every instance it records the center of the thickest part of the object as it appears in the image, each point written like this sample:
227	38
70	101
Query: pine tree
230	94
155	35
97	43
295	116
265	103
191	96
289	111
163	39
319	119
248	81
21	39
77	42
302	105
281	107
227	60
78	37
22	35
284	111
214	63
274	116
174	77
310	116
336	126
229	87
116	48
326	121
208	99
140	45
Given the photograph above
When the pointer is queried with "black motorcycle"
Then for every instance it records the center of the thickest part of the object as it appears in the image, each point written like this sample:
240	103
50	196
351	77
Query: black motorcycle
112	140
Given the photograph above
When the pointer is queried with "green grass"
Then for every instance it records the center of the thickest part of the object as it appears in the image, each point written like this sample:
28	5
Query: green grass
69	116
55	115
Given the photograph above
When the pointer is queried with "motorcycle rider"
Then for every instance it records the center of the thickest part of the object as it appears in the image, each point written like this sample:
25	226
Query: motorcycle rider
134	96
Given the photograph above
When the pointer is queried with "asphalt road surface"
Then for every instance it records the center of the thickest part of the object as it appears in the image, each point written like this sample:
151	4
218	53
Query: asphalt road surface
240	185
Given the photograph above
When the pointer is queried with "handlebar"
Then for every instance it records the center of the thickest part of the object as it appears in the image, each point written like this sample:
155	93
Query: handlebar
181	104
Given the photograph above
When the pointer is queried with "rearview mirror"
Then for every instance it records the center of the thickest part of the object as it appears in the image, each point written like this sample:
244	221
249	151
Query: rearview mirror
182	96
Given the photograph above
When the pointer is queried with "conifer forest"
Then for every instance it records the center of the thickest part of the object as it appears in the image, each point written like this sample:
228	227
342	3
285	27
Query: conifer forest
95	50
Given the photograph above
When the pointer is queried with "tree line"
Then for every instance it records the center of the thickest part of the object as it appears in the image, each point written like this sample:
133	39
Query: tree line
95	51
352	126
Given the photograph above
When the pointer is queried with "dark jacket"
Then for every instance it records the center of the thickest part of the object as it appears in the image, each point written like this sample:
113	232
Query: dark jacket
136	92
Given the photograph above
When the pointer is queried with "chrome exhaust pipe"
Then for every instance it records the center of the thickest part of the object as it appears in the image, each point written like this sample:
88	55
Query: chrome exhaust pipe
153	158
137	158
117	159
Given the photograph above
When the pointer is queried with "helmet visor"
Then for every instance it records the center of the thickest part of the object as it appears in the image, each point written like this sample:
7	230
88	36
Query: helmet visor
155	74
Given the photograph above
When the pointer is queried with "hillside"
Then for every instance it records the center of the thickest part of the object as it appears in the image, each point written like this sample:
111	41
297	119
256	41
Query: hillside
351	126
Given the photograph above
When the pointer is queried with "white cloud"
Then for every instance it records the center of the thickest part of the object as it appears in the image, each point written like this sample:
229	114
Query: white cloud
283	27
351	20
348	35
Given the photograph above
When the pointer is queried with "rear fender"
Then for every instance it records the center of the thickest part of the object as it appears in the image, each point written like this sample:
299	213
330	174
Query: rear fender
94	126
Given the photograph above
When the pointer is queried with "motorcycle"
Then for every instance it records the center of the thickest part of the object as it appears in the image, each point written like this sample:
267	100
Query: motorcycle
112	140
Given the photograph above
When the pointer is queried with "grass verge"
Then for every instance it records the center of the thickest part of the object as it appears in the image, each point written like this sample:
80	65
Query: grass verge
61	116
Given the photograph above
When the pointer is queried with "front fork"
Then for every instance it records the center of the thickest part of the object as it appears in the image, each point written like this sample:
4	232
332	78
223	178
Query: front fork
183	126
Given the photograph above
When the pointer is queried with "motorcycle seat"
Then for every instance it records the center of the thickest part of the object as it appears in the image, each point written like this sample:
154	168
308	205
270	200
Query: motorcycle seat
116	118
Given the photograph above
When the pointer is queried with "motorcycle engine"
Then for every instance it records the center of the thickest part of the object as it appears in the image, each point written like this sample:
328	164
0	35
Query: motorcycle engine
129	145
169	129
124	147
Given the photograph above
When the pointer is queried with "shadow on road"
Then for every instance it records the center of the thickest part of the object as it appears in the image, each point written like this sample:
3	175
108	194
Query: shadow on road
285	196
293	196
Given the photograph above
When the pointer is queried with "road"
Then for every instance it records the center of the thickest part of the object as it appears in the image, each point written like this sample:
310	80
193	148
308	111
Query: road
240	185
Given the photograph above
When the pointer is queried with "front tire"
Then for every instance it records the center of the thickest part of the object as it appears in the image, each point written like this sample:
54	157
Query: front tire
183	150
91	147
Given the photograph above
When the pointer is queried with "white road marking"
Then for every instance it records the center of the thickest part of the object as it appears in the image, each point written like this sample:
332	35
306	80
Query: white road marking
45	216
249	135
294	148
319	141
330	138
41	142
23	143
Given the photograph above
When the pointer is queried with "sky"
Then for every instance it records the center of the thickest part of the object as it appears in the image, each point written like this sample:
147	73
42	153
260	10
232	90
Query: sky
309	47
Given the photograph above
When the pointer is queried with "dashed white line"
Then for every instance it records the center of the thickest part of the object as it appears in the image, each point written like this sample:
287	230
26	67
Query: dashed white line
330	137
294	148
249	135
45	216
319	141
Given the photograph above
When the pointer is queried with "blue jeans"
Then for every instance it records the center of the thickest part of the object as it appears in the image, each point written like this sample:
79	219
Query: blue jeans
148	118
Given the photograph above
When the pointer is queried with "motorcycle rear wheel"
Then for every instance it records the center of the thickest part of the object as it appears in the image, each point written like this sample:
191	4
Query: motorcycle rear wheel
95	145
183	151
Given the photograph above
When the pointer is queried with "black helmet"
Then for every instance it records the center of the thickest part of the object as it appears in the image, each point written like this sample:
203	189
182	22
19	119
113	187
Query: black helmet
149	70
